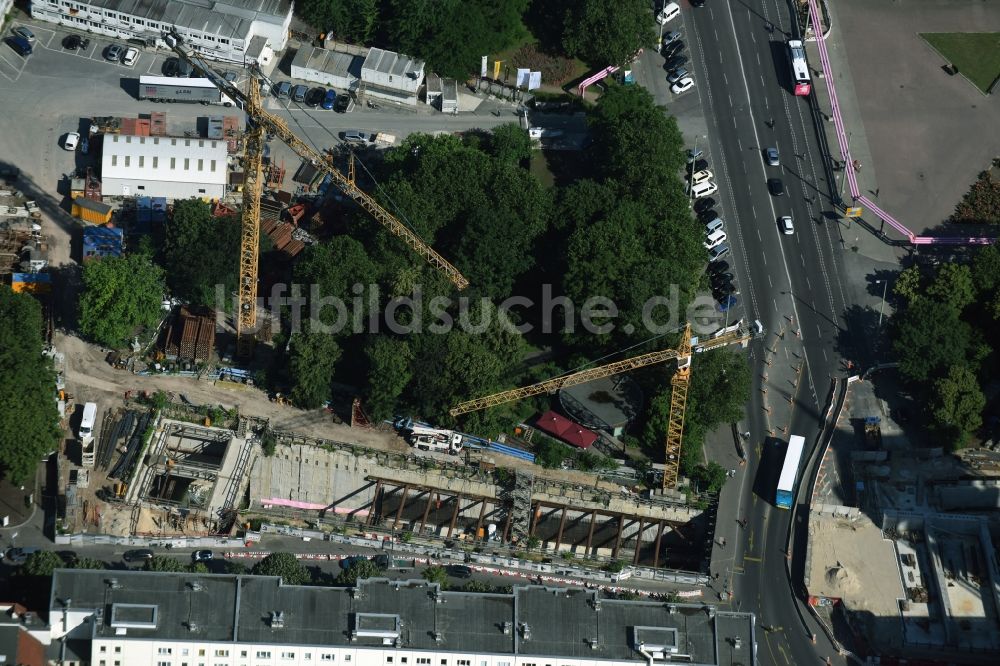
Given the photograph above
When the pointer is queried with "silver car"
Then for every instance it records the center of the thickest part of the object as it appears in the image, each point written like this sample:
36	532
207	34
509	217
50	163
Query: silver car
23	32
677	75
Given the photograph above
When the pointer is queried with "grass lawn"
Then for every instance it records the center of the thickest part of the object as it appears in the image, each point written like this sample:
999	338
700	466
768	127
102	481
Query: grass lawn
976	54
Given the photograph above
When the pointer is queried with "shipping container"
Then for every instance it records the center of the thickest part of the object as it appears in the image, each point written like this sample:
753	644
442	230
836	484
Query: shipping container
91	211
32	283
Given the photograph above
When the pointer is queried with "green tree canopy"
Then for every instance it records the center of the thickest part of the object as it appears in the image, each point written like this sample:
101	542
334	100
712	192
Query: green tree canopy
284	565
436	574
607	32
510	144
389	371
89	563
359	569
333	269
952	286
201	252
164	563
958	405
452	35
120	295
347	20
930	337
41	563
29	420
313	357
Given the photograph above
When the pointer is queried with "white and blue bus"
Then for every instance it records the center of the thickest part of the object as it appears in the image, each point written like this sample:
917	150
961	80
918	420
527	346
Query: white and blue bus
789	472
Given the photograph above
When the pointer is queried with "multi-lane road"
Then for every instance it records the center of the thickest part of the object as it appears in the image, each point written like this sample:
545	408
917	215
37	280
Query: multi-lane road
796	284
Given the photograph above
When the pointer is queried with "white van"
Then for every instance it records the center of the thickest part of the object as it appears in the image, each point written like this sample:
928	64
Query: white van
704	189
86	431
669	12
715	238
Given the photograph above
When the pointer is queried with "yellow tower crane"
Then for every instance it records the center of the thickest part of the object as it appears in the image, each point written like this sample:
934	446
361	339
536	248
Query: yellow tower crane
736	334
253	142
259	122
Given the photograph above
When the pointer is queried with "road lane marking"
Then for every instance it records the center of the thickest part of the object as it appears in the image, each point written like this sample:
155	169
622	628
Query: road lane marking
751	558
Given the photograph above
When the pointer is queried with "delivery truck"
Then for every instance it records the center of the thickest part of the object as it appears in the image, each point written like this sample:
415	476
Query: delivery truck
169	89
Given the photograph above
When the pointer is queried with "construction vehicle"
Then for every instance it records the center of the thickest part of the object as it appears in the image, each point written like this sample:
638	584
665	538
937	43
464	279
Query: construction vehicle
739	334
259	123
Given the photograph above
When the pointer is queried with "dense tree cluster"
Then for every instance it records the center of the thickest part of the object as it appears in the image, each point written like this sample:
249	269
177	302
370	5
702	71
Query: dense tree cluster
945	335
981	204
452	35
200	253
121	295
29	418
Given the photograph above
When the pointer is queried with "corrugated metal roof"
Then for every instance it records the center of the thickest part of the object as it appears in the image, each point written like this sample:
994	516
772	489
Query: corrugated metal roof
336	63
229	19
390	62
166	159
96	206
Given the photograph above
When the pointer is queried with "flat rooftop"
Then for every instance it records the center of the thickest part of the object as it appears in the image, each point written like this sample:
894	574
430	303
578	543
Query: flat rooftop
532	621
232	18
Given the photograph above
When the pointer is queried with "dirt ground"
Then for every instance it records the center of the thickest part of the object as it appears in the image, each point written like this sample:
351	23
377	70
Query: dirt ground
90	379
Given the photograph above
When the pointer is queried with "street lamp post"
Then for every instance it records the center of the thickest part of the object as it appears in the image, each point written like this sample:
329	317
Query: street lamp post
659	43
881	307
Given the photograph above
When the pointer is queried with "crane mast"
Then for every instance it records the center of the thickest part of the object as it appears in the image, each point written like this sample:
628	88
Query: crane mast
246	321
272	124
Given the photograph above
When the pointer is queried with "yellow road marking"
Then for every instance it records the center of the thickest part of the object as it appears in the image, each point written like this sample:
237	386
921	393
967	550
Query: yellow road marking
751	559
782	651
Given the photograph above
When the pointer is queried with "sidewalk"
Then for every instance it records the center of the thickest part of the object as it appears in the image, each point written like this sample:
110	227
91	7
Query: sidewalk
852	234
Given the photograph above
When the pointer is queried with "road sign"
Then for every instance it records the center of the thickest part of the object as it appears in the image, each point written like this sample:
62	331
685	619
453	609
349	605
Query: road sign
853	212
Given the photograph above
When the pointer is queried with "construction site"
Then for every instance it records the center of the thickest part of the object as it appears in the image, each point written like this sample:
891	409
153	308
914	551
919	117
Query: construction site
164	465
904	539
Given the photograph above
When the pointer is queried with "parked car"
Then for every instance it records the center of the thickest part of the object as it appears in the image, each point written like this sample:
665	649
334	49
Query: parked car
131	55
202	556
772	157
299	93
68	557
717	237
71	141
114	53
714	225
718	267
718	252
670	11
676	75
24	33
230	76
185	69
671	37
776	187
138	555
282	89
676	61
704	189
356	136
693	154
707	216
170	67
787	227
702	205
18	555
459	571
720	278
683	85
315	96
21	45
673	49
723	289
697	3
71	42
329	99
344	104
701	176
727	303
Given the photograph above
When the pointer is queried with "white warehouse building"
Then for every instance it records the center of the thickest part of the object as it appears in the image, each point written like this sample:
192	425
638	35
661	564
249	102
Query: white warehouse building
218	29
136	618
163	166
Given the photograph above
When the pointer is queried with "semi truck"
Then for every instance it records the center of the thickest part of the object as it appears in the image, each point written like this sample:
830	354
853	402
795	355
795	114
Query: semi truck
170	89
